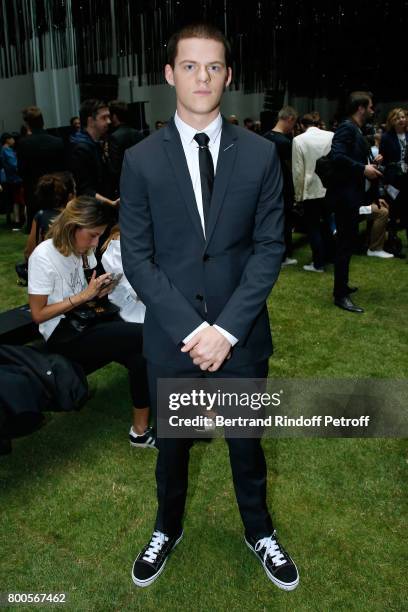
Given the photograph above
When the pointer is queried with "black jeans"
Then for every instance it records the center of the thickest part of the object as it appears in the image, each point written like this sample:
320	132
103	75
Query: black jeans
347	233
247	462
114	340
317	220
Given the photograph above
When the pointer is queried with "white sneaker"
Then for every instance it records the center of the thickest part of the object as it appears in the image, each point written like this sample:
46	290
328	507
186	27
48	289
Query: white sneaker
289	262
382	254
310	268
144	440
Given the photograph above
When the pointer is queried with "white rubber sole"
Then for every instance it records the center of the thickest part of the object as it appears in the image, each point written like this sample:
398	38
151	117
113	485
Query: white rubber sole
137	445
149	581
291	586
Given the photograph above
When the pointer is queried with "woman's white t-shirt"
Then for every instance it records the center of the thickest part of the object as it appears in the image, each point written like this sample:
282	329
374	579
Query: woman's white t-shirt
131	307
57	276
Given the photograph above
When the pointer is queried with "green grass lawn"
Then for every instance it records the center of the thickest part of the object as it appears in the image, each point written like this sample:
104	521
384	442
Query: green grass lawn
77	502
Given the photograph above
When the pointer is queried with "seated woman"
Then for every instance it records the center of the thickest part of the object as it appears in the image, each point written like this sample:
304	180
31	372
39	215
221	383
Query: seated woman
52	194
131	307
394	149
57	284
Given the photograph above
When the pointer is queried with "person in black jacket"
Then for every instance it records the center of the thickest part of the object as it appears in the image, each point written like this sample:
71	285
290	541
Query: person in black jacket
37	154
350	155
122	138
282	135
88	160
394	149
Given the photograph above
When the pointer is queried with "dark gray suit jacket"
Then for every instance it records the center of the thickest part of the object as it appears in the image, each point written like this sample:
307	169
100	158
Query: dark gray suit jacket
185	279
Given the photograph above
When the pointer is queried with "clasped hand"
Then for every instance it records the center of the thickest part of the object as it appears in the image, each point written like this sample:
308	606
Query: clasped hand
208	349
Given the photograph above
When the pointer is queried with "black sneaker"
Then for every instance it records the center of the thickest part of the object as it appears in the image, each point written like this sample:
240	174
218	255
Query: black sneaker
150	563
278	566
144	440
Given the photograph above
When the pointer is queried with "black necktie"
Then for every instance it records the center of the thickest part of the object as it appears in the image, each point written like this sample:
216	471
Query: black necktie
206	172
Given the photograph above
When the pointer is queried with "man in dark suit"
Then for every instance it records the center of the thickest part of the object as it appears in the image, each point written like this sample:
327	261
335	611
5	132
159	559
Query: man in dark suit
203	254
352	190
88	159
123	137
37	154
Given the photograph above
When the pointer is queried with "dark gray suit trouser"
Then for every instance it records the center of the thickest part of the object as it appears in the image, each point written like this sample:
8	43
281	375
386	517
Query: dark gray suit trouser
246	458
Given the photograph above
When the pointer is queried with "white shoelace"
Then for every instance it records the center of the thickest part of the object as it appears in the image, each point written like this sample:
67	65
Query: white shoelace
156	544
271	550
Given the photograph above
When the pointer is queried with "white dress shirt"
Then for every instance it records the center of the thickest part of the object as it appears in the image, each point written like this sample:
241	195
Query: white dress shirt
191	148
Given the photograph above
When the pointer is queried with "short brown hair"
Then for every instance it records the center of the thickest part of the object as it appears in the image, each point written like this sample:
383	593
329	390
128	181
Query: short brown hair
357	99
310	119
287	112
32	116
197	30
120	109
90	108
54	190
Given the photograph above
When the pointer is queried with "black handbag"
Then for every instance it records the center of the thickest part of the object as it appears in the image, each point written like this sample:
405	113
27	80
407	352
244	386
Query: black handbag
84	316
326	171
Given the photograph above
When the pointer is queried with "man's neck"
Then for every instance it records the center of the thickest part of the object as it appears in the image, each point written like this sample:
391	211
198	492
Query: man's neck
279	127
92	133
357	118
197	121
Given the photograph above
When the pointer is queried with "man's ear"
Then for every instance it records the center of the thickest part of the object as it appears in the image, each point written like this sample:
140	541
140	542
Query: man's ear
168	73
228	77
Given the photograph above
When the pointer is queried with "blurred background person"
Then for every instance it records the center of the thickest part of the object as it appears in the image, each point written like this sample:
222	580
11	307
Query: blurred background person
394	149
282	135
52	194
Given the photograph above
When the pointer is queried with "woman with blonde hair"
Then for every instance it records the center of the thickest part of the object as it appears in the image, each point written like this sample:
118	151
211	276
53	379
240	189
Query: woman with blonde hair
57	286
394	149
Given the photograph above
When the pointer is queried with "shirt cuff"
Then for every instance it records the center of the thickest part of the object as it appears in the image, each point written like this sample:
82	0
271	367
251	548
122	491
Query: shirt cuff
365	210
203	325
231	339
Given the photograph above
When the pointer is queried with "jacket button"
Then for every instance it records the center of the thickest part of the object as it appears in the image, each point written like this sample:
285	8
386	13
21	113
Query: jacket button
199	297
206	257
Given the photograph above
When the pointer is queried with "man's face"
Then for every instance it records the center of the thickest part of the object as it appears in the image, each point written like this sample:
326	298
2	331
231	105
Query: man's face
101	122
369	111
199	76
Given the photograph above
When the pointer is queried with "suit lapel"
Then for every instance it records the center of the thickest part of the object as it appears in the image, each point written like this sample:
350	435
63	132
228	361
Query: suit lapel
225	164
177	159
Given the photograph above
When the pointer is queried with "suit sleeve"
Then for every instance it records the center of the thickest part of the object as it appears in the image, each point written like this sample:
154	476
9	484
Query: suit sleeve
342	143
162	299
263	266
81	166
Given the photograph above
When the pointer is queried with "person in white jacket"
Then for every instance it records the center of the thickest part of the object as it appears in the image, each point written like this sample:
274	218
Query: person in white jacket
132	310
306	150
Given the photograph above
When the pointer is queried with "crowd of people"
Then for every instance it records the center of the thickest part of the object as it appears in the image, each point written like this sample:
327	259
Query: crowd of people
76	182
206	312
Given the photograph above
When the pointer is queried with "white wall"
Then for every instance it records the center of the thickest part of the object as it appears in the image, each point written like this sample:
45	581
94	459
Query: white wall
15	94
57	94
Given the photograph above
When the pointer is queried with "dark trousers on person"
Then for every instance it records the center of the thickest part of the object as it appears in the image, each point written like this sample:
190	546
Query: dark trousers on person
246	458
288	229
347	219
317	221
114	340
